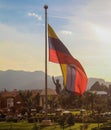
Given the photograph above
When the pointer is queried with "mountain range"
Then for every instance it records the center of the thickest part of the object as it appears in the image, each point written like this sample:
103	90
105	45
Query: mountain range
22	80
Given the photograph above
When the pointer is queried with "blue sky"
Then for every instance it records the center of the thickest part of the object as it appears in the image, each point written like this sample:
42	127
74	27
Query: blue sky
83	26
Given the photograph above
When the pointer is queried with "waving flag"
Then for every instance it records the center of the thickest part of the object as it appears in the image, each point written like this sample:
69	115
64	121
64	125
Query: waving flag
74	76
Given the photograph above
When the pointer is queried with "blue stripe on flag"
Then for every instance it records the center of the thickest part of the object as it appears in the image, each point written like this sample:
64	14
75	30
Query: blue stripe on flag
71	77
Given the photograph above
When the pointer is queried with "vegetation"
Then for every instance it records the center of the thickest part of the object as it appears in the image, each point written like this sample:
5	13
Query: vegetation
32	126
94	115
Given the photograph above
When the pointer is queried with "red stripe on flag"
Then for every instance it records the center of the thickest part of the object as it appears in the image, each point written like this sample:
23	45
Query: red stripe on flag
81	81
63	58
59	57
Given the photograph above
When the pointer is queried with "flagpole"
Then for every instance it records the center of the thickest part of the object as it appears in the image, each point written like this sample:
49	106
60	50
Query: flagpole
46	7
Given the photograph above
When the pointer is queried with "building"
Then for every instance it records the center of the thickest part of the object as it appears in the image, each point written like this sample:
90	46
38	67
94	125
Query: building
51	94
24	98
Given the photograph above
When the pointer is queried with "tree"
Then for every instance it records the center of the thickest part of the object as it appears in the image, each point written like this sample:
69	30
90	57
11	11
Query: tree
95	86
70	120
36	99
109	90
62	120
89	99
98	87
70	100
109	102
27	98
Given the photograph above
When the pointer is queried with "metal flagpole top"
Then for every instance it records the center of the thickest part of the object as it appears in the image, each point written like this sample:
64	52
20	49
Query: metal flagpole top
45	6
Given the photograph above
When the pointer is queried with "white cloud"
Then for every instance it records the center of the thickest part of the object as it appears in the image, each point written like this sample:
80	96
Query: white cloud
35	15
59	17
66	32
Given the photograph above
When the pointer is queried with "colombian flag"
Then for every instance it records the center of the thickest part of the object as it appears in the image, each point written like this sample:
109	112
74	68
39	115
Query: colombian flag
74	76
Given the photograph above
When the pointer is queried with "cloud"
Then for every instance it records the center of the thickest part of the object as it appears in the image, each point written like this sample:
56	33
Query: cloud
59	17
66	32
35	15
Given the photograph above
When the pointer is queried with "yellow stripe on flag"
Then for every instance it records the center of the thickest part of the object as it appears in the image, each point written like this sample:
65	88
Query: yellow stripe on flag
51	33
64	72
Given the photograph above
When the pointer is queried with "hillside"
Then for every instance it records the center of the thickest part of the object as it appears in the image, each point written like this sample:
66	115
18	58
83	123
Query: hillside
11	79
23	80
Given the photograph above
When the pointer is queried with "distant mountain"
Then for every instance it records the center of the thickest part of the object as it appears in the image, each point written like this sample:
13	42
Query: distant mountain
91	81
11	79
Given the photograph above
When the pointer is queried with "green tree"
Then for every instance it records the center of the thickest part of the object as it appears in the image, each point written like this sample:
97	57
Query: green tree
109	90
70	120
89	100
27	99
70	100
36	99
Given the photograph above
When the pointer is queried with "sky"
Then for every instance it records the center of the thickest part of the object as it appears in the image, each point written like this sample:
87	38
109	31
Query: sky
84	26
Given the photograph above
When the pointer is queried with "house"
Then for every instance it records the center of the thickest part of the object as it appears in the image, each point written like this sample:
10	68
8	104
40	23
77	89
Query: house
7	99
17	99
51	93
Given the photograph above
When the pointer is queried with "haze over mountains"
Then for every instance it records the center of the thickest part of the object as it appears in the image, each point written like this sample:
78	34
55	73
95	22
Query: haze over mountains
21	80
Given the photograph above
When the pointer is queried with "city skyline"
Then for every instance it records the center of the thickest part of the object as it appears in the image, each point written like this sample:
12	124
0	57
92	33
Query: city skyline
83	26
